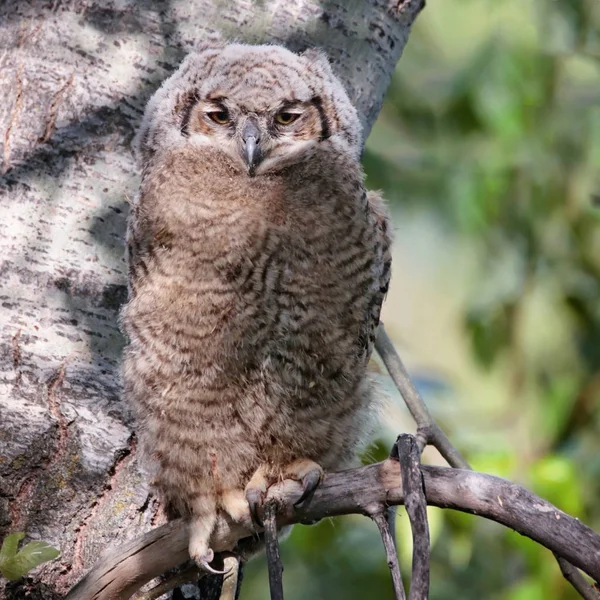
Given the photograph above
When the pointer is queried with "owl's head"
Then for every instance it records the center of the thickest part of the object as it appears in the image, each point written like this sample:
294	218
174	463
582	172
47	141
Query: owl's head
263	106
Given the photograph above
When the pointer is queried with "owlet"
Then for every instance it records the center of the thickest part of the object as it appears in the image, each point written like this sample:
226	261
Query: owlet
258	264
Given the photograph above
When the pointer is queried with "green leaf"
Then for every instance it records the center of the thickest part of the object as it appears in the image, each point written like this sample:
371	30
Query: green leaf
10	545
14	565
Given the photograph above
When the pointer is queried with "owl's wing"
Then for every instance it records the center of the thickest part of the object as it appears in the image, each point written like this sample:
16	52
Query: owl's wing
382	266
144	236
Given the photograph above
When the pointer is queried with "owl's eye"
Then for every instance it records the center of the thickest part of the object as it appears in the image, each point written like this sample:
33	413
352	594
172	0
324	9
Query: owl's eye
285	118
219	116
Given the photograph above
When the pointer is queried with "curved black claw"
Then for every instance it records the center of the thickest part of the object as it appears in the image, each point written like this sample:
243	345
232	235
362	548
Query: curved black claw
310	482
255	501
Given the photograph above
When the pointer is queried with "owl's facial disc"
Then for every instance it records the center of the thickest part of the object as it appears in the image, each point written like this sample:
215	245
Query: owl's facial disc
261	137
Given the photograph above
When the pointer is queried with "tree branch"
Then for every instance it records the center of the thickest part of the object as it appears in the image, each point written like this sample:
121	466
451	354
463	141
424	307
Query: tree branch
416	507
272	550
428	431
127	568
390	553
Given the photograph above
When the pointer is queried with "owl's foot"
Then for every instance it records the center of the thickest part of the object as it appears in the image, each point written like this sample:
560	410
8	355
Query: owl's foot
304	470
201	528
309	473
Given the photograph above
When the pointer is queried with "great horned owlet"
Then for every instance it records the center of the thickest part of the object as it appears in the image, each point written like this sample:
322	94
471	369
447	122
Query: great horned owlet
258	264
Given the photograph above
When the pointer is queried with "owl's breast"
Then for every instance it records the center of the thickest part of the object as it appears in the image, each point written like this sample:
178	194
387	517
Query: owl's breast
255	269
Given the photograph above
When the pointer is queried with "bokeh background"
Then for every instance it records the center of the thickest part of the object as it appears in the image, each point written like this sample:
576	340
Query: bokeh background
488	149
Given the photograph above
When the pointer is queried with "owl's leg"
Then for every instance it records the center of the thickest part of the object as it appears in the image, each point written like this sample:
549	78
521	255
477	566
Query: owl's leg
204	517
234	503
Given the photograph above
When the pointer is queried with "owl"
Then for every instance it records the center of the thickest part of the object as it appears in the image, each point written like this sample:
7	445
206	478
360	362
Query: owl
258	264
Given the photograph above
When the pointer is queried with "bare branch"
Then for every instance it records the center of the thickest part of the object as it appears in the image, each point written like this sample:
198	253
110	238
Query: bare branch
231	580
272	548
390	554
390	517
428	431
127	568
416	506
577	580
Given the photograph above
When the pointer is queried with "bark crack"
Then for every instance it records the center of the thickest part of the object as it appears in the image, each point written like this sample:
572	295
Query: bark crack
20	501
55	410
120	461
53	110
28	484
14	115
28	33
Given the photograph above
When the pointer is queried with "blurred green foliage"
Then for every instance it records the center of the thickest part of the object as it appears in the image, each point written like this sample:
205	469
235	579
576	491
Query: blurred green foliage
489	140
15	562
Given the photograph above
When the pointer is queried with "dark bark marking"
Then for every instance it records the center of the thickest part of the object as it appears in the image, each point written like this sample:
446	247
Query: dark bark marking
16	353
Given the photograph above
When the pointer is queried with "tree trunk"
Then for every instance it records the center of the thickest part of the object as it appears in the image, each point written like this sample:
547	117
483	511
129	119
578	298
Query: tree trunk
74	78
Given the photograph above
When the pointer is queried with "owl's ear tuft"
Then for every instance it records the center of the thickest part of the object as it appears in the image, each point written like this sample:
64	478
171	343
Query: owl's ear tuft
318	57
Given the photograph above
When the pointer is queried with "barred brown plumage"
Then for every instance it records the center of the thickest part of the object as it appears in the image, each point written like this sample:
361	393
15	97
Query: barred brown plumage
258	264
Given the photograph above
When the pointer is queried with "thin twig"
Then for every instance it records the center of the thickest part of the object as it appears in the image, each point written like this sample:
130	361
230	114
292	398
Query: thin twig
390	517
416	507
577	580
390	554
429	431
232	565
240	578
272	550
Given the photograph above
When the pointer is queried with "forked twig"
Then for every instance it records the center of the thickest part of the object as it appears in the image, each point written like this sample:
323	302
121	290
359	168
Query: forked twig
390	553
428	431
415	502
272	550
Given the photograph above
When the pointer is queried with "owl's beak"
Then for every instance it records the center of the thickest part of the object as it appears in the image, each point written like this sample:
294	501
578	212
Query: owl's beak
251	149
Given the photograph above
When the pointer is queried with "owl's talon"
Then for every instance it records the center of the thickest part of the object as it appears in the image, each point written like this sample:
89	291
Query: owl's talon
310	482
203	563
255	500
